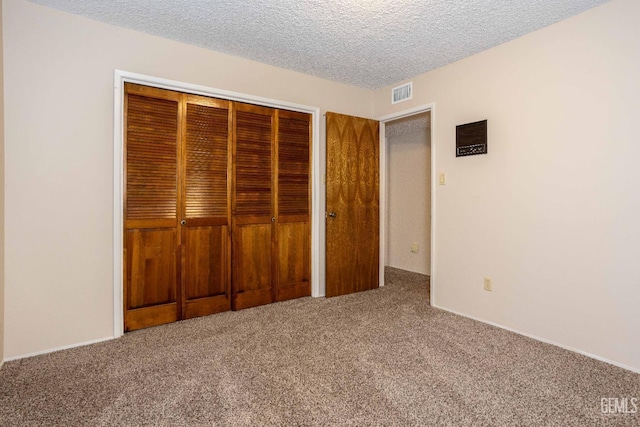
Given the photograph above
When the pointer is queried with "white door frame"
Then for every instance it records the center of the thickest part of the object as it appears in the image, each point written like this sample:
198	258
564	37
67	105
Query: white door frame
317	211
383	186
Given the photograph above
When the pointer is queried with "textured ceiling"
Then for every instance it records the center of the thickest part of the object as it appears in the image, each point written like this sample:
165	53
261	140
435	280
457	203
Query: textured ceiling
366	43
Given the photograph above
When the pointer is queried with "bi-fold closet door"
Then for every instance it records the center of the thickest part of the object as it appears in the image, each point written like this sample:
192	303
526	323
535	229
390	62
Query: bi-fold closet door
271	234
216	206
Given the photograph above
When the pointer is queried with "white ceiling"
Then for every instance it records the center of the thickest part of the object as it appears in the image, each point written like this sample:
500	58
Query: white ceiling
366	43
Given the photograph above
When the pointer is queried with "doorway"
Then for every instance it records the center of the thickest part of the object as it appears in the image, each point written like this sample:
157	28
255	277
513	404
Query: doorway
407	221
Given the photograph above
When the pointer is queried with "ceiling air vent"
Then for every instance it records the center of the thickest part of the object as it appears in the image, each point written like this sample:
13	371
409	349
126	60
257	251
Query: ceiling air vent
402	93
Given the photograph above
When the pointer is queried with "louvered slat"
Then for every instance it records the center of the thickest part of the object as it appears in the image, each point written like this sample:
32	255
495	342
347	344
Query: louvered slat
206	157
293	165
152	126
253	164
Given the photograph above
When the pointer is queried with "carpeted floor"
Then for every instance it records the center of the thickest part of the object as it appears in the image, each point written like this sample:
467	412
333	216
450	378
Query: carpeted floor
381	357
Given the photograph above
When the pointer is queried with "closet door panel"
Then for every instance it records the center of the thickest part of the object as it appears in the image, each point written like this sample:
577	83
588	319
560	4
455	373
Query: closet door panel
253	206
151	269
151	276
151	257
206	153
294	263
205	241
206	274
293	206
151	155
206	256
294	148
253	146
252	265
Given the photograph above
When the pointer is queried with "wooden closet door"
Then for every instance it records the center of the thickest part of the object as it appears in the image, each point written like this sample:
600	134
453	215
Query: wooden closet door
293	233
151	200
253	210
205	219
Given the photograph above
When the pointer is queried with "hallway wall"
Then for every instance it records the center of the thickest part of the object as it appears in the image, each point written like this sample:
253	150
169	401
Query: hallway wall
409	193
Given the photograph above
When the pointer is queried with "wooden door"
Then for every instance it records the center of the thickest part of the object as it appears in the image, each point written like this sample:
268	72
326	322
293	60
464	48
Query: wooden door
253	219
217	206
352	242
177	210
206	207
293	192
151	232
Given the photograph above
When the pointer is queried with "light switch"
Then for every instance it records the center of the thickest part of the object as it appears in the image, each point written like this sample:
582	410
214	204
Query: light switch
442	179
414	248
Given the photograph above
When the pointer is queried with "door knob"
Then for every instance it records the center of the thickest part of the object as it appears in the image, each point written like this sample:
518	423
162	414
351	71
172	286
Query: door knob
183	222
273	219
332	214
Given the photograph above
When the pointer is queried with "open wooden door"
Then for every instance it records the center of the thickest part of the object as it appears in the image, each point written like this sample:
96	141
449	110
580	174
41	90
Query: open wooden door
353	224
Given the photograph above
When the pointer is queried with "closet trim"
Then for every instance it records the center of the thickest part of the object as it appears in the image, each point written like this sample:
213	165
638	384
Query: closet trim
121	77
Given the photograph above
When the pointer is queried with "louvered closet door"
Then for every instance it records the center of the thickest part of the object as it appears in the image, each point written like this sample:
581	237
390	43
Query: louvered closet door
206	254
293	206
151	232
253	218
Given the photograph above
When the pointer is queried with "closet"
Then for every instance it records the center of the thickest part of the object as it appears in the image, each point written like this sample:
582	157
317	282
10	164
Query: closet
216	205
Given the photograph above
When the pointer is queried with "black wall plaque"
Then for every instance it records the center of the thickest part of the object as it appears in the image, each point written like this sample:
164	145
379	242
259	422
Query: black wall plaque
471	139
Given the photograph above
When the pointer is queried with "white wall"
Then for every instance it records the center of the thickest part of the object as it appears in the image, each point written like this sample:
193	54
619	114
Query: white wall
59	72
409	193
551	212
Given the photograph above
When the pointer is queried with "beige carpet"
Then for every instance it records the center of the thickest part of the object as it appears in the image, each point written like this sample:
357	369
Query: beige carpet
382	357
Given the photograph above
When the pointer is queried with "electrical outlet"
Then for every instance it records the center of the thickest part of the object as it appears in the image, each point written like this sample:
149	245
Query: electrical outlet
414	248
488	284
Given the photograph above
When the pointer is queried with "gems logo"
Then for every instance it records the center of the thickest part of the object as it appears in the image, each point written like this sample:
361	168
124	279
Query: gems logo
619	405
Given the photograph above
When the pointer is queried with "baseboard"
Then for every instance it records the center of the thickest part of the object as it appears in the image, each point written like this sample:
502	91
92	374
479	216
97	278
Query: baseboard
410	271
497	325
53	350
544	340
